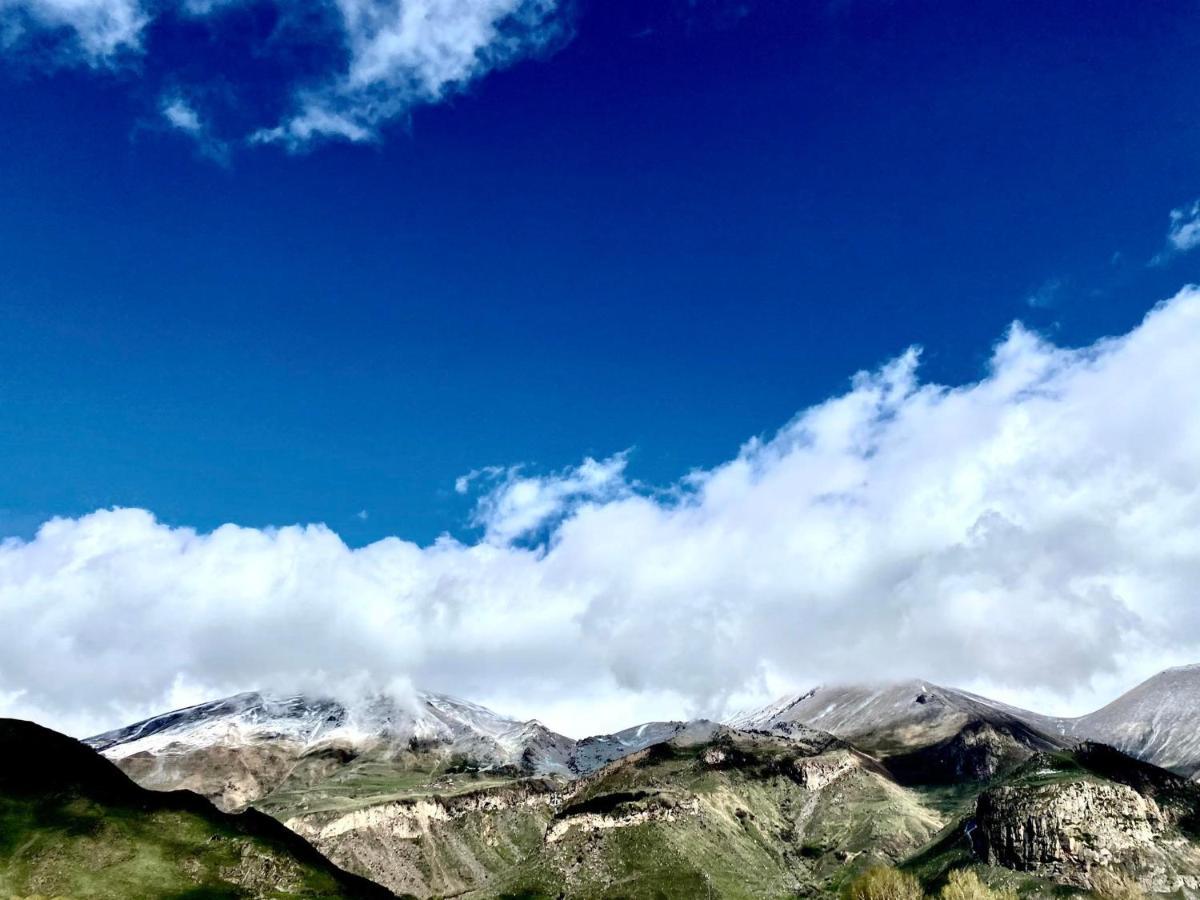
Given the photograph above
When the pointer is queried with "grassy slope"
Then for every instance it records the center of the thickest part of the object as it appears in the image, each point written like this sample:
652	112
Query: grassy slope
756	831
72	825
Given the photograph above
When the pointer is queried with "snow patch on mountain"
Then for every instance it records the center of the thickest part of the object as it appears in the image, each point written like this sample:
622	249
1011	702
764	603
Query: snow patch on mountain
307	722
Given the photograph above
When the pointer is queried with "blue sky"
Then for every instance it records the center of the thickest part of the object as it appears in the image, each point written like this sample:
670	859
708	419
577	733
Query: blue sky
669	230
585	286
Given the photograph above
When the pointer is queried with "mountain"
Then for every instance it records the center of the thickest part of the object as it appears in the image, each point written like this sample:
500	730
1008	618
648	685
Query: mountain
71	824
922	727
438	796
1082	818
1158	721
925	733
731	815
240	749
593	753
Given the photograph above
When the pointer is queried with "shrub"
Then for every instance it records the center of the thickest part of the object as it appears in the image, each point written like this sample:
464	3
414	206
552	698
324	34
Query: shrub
964	884
884	883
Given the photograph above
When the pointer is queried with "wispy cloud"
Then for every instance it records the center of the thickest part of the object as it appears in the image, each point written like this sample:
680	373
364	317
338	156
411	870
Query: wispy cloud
402	54
1032	531
1047	294
93	32
394	54
181	115
1183	234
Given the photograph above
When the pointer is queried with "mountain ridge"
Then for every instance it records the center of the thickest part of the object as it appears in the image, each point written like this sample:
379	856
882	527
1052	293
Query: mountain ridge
1157	720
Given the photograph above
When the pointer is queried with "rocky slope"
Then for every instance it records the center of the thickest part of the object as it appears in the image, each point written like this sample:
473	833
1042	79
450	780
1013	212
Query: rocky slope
1069	817
71	824
734	815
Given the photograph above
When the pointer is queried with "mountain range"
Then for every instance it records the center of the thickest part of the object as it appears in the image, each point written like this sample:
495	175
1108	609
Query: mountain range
429	795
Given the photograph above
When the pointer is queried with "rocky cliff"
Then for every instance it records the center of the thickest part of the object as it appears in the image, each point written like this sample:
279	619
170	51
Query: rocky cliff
1070	826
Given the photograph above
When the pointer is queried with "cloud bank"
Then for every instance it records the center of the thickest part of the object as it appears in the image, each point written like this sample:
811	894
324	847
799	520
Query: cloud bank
1033	533
393	54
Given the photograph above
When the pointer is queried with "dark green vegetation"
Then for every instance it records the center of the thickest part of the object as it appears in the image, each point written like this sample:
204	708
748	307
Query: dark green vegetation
72	825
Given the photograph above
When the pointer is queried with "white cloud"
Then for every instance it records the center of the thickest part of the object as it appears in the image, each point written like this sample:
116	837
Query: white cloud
1184	233
520	506
180	114
396	54
402	53
98	30
1033	534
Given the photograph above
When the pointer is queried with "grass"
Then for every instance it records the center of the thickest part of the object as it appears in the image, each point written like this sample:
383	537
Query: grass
71	825
82	849
370	782
756	832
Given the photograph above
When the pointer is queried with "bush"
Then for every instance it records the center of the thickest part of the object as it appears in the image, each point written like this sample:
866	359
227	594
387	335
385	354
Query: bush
884	883
964	884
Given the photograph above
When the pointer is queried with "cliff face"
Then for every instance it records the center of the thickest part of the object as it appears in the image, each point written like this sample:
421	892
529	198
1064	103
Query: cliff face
1070	830
435	845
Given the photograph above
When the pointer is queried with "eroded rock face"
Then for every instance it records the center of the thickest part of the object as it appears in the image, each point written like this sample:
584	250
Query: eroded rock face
818	772
435	845
659	811
1071	830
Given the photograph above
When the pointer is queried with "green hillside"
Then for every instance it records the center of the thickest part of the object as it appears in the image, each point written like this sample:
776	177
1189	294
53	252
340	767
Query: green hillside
72	825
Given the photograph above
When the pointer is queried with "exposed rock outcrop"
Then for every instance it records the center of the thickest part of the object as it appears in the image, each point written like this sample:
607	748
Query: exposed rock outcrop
433	845
1069	830
654	809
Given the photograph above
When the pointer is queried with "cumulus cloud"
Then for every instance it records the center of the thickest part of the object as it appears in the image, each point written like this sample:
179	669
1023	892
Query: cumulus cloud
1032	534
392	55
518	506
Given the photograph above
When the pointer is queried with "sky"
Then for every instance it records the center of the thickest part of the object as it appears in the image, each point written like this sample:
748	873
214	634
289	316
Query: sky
599	361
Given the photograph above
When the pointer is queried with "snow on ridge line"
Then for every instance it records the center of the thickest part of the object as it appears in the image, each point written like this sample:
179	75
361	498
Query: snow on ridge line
253	716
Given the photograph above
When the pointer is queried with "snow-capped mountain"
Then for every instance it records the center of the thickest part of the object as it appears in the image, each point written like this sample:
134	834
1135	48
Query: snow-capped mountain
307	722
1158	721
599	750
242	749
239	749
889	716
